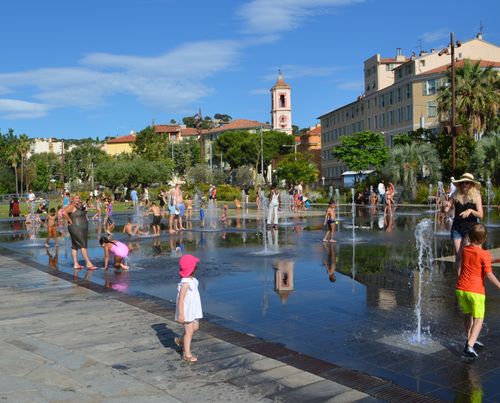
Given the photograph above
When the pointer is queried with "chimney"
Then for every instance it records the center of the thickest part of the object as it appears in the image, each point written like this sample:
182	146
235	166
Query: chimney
422	53
479	36
399	55
433	50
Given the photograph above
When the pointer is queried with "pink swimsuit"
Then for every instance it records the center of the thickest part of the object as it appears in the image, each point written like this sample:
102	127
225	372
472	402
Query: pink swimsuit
119	249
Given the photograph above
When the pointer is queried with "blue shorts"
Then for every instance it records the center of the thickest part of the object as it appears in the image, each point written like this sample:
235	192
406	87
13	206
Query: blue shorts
181	208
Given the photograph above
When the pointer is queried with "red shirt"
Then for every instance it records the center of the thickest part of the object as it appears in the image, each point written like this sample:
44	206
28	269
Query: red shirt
476	262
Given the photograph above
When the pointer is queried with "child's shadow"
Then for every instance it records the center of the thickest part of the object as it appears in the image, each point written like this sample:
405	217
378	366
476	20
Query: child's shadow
166	336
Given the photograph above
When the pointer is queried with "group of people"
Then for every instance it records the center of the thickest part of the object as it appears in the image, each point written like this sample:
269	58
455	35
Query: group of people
472	262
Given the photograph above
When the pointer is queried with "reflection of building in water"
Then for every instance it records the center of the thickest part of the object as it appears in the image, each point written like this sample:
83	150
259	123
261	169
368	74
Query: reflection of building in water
283	278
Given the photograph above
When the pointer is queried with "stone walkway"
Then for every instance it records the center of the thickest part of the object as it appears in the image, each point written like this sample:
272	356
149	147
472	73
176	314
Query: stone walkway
64	343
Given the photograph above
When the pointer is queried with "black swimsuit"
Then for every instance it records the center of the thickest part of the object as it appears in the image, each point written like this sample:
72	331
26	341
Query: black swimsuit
463	225
78	229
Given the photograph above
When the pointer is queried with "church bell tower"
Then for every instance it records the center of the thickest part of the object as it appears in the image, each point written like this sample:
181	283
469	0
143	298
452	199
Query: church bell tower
281	106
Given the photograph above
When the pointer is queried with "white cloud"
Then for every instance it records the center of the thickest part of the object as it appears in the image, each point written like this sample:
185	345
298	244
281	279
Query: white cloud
167	82
17	109
351	85
259	91
294	71
430	37
271	16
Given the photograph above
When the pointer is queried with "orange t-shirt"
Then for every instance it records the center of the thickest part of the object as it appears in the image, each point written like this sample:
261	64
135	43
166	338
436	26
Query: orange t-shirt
476	262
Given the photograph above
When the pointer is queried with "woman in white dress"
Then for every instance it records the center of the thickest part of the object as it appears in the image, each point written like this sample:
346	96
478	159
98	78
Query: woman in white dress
188	310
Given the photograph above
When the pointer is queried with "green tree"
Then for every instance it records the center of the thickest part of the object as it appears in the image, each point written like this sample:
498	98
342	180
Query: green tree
362	150
415	136
133	171
82	160
408	162
296	169
23	148
223	117
485	160
47	168
12	157
465	146
477	92
186	153
151	145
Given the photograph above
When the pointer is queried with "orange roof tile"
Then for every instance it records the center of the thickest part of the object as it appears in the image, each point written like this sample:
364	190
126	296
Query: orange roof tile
167	128
129	138
460	63
239	124
316	131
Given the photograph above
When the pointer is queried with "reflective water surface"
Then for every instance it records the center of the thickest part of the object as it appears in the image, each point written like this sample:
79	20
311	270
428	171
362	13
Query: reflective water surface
351	303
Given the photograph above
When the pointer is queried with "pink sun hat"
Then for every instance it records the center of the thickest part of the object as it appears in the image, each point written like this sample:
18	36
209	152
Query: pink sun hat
187	264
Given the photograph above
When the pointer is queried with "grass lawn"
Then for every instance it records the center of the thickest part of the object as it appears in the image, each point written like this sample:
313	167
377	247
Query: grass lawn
117	207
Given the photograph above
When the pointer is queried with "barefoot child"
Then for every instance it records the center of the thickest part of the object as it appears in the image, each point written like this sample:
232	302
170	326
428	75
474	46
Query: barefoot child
470	291
51	223
132	229
188	309
118	249
329	222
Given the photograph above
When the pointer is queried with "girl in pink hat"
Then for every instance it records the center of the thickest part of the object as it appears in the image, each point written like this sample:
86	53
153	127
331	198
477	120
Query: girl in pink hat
188	310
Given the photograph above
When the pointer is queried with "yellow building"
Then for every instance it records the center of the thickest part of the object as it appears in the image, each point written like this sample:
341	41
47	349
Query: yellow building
400	96
119	145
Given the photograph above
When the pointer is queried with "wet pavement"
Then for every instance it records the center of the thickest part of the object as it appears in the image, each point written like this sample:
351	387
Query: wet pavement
361	327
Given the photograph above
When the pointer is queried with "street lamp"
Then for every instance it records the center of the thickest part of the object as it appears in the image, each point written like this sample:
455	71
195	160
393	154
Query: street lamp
453	129
295	148
323	181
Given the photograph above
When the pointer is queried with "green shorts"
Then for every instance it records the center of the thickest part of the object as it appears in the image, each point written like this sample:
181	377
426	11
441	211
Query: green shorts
471	303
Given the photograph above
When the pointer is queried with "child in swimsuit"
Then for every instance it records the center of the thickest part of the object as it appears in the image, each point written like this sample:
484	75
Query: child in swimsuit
118	249
330	222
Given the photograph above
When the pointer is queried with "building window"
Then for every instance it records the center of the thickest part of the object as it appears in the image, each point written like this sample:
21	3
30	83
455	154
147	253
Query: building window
431	109
390	98
429	87
382	120
408	91
391	118
376	122
282	101
409	112
369	123
399	94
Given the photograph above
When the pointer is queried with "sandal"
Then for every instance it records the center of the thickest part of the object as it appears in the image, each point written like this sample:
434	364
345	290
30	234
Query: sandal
91	267
78	268
189	358
178	341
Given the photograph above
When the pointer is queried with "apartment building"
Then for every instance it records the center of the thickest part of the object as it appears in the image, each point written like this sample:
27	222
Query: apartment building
400	96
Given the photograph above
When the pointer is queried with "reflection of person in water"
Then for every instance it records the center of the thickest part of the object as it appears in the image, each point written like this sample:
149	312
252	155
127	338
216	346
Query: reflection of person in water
157	247
330	262
53	259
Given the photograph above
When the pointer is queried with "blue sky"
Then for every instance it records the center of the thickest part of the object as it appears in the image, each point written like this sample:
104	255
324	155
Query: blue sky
96	68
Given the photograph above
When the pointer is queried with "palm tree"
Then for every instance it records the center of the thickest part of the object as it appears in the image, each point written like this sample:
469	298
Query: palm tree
13	157
408	161
23	147
477	92
486	158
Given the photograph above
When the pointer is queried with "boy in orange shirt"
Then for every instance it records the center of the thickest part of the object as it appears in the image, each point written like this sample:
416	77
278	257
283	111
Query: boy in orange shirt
470	291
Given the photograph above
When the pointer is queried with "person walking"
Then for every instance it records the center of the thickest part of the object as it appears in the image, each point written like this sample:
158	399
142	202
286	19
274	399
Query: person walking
329	222
381	192
468	211
470	290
